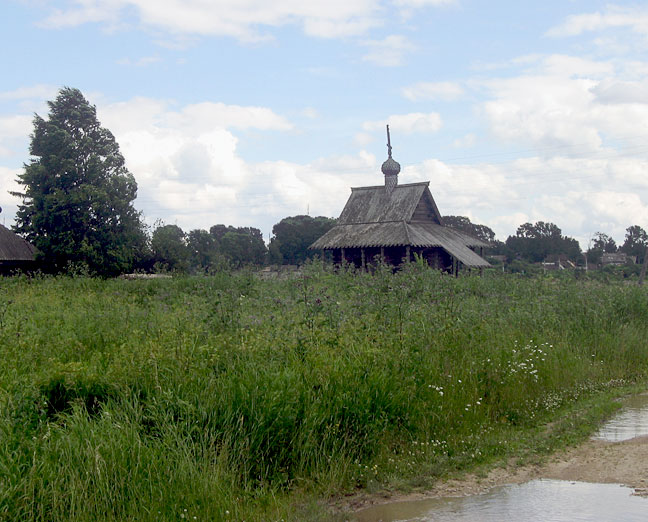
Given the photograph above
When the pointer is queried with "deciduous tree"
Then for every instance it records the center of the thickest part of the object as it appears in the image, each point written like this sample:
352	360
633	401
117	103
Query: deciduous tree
601	244
169	246
636	241
293	235
464	224
534	242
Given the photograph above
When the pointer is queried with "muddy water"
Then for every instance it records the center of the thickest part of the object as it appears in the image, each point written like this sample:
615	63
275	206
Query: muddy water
630	422
538	500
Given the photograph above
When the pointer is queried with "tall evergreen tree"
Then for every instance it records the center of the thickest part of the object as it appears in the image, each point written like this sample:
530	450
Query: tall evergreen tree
78	195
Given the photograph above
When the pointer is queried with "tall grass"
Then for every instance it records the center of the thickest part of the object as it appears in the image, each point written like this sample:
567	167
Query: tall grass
219	397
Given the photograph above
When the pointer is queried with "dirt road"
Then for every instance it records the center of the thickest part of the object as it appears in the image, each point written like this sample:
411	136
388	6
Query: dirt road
598	461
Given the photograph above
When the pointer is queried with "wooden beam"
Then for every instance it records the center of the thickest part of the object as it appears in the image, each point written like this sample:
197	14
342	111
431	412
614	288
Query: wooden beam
382	254
364	260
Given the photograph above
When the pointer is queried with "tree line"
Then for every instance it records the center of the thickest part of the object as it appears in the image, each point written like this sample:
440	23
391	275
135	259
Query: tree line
541	241
77	209
234	247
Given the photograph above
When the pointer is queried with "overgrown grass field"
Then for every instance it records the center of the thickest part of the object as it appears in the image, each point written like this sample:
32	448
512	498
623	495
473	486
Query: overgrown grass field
230	397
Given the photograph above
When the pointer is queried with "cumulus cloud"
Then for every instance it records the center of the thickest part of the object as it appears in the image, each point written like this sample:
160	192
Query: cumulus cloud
615	206
612	91
189	170
389	52
185	159
446	91
564	101
580	195
407	123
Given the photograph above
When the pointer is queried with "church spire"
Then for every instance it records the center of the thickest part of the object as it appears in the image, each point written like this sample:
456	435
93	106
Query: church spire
390	168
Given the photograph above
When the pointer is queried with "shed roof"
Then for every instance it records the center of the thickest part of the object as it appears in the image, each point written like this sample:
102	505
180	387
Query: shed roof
14	248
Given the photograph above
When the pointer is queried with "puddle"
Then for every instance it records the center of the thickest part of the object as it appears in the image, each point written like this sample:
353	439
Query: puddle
629	423
538	500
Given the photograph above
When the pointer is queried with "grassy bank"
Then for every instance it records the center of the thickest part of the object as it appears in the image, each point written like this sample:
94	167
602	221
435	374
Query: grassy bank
231	397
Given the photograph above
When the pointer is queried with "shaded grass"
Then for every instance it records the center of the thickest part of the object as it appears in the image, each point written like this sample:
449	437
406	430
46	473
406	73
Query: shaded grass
227	396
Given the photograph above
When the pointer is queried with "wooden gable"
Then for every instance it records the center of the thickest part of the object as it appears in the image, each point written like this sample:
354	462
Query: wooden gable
426	210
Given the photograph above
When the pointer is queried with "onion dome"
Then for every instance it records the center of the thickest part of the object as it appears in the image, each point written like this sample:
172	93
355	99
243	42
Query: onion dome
390	167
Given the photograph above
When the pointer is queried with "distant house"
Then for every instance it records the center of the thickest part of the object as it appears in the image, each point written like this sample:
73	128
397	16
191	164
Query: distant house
15	252
557	262
394	223
617	259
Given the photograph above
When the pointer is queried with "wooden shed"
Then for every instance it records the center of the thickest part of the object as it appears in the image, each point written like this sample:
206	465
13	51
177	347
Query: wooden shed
394	223
15	252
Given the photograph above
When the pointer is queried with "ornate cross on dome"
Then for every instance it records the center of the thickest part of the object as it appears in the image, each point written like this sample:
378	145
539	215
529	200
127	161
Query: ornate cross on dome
390	168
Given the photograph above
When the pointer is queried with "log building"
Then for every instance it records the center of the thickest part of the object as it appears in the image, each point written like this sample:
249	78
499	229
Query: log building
394	223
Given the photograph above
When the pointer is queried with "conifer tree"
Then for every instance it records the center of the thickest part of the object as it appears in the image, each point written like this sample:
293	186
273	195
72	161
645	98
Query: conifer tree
77	203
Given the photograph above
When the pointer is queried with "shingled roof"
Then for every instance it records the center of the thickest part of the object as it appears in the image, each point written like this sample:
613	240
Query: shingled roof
13	247
376	205
406	216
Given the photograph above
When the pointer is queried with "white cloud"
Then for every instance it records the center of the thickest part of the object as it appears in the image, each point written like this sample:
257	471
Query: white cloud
13	130
574	66
612	91
41	91
236	18
565	101
389	52
15	126
193	119
189	171
446	91
617	205
407	123
615	17
241	19
8	183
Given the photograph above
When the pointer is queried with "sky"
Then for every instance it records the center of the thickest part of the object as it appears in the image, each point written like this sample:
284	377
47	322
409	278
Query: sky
243	112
